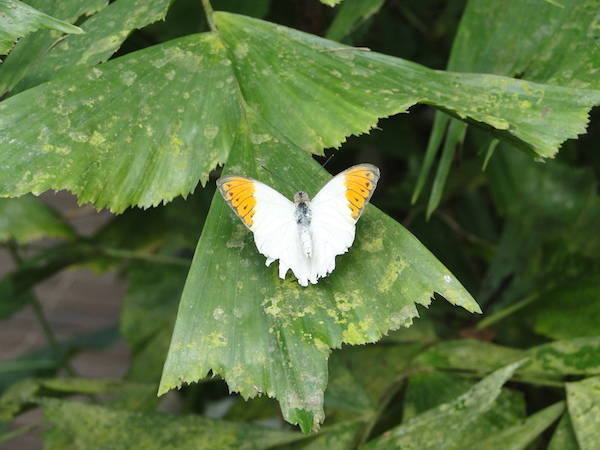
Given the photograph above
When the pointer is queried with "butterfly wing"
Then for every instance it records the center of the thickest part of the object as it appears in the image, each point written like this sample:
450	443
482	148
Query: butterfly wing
271	218
335	210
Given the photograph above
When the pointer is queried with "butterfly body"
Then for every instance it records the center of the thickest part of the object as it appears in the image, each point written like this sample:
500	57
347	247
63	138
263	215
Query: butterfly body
304	235
303	218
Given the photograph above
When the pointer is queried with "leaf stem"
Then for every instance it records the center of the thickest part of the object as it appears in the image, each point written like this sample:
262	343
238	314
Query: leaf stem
208	11
128	254
455	226
503	313
38	310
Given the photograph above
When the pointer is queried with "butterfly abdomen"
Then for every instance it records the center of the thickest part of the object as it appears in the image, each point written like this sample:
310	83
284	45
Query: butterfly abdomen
303	218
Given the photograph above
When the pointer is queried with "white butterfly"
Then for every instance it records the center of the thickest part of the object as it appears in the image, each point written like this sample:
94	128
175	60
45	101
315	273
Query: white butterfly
303	235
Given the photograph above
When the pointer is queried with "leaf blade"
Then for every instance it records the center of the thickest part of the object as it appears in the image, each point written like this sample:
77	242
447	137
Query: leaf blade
17	19
286	328
583	399
427	430
26	219
160	162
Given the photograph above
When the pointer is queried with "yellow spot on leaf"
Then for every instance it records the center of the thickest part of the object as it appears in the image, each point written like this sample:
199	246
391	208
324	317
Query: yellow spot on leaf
390	275
351	335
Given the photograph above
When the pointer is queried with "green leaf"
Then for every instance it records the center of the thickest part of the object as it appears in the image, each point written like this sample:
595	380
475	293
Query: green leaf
148	126
552	32
18	19
555	359
469	354
358	87
583	398
344	390
537	185
331	2
572	310
121	394
564	436
81	426
105	135
548	240
489	152
440	124
27	219
350	16
32	48
253	8
430	389
256	410
556	50
370	369
264	335
454	138
519	436
341	436
148	316
427	390
446	425
421	332
104	34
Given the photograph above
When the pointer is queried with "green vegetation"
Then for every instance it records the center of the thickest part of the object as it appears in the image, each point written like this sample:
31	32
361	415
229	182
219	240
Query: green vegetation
487	142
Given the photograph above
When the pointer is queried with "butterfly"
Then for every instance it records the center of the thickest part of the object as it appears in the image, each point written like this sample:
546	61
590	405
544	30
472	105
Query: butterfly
304	235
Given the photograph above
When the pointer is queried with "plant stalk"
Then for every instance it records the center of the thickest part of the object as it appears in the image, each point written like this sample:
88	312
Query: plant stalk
127	254
38	310
503	313
208	11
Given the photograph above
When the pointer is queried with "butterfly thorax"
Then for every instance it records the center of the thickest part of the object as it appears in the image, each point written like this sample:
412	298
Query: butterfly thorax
303	217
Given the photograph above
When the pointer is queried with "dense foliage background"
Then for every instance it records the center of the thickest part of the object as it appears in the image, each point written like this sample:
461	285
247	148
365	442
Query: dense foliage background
481	179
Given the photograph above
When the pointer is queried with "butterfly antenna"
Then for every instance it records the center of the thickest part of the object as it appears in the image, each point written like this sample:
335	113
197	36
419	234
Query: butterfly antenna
279	177
328	159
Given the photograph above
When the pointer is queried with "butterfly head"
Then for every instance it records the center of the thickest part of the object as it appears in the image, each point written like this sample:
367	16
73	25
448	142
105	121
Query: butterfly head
301	197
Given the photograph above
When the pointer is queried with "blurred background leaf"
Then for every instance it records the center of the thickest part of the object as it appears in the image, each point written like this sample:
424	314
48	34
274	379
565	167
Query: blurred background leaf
583	398
351	15
26	219
33	47
428	431
17	19
82	426
516	43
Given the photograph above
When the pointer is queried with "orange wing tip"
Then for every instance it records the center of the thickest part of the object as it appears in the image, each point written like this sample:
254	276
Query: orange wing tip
238	192
228	183
354	211
360	182
355	198
248	218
